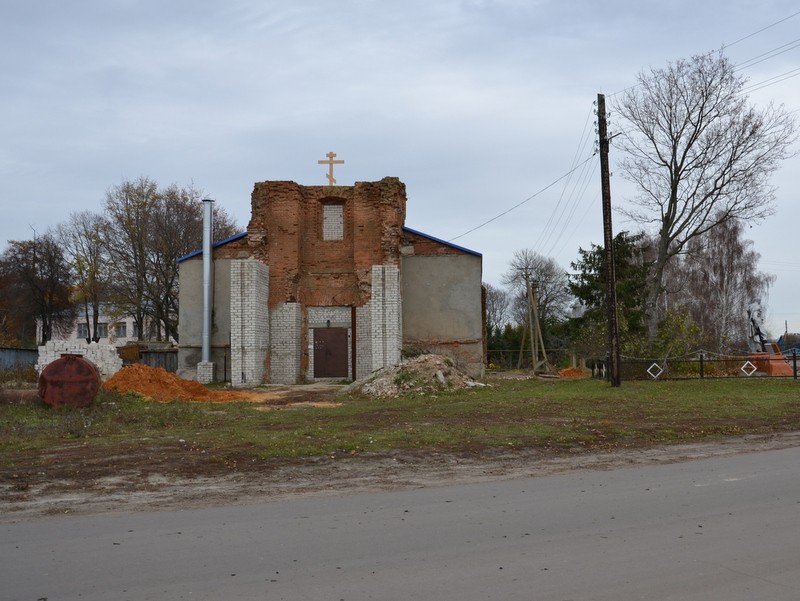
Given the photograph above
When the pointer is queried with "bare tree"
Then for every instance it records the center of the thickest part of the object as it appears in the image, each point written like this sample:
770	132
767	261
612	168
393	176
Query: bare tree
17	325
82	241
551	284
128	210
497	309
42	278
719	282
698	153
147	229
176	230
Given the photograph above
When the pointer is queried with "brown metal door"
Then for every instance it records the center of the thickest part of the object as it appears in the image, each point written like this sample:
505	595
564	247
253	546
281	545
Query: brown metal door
330	352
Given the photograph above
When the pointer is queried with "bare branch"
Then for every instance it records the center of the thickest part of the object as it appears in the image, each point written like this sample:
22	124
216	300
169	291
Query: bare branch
698	154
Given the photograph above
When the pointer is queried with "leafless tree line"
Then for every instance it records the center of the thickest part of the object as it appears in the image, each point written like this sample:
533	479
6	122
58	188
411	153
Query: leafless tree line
700	157
121	262
708	291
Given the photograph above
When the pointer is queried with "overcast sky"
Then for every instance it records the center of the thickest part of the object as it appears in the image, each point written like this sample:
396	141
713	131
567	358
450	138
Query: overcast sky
477	106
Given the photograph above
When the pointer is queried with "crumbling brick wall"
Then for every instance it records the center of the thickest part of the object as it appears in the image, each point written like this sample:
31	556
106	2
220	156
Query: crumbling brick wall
286	232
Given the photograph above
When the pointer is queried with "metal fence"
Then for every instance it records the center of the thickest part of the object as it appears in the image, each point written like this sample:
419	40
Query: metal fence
513	359
17	358
699	366
704	367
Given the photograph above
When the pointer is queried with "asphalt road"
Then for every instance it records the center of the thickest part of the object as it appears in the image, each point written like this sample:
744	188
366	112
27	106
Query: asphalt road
716	529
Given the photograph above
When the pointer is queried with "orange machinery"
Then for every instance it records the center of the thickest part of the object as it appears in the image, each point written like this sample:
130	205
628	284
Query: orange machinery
770	360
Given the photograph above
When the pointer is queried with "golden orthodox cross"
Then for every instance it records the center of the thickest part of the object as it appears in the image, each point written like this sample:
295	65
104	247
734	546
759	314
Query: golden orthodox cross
330	162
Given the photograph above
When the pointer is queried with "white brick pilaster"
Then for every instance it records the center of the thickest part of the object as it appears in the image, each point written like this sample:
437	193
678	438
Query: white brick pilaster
386	328
249	321
285	347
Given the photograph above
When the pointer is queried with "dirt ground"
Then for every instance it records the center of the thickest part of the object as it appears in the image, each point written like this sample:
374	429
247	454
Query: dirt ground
136	476
161	486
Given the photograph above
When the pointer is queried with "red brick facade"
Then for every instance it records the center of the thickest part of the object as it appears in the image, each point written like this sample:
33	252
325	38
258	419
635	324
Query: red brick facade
285	232
339	258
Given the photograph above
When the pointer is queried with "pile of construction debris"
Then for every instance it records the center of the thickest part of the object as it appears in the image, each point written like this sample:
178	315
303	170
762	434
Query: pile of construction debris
424	374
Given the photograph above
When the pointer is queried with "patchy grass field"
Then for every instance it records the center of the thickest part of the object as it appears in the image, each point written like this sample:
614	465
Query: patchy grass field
125	445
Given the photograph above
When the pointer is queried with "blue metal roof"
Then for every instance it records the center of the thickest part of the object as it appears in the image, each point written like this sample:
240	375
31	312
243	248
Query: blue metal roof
440	241
215	245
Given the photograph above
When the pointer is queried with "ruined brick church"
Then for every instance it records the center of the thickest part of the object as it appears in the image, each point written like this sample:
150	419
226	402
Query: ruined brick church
328	283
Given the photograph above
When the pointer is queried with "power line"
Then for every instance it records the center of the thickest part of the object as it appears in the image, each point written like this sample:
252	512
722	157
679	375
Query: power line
772	81
780	266
547	231
752	61
577	195
768	55
592	199
762	29
571	206
519	204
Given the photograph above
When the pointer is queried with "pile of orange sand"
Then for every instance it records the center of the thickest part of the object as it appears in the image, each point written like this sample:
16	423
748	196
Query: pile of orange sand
572	373
161	385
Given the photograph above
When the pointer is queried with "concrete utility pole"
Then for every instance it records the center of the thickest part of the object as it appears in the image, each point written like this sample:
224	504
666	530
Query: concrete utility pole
611	272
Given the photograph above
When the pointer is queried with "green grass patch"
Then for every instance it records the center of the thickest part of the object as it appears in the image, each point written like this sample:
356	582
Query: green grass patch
553	416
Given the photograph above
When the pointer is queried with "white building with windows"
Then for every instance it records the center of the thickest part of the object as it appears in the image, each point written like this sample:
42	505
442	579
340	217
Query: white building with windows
115	331
107	353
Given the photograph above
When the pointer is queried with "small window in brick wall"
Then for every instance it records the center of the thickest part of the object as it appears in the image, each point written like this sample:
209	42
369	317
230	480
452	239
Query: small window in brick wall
333	222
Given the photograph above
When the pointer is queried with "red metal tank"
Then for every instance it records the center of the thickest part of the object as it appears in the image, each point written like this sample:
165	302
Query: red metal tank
70	380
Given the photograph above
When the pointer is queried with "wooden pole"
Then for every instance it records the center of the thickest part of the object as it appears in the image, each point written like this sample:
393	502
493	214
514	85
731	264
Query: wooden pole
538	325
611	276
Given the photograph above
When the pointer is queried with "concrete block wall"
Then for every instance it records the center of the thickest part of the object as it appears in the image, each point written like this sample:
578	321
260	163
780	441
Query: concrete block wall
104	356
250	327
285	344
393	315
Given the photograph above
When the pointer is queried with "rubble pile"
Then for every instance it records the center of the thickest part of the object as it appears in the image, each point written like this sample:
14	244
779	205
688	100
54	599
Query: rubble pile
425	374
